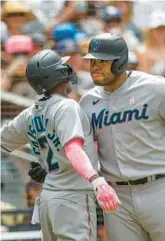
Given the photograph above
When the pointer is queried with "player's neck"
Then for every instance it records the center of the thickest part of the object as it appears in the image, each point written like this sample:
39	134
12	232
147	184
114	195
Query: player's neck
116	84
62	93
61	89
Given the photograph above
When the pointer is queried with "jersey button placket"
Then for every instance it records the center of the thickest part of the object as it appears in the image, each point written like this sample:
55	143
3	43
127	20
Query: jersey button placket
112	109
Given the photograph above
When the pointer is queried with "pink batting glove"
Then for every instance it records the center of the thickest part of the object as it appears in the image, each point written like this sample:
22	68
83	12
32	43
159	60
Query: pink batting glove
105	195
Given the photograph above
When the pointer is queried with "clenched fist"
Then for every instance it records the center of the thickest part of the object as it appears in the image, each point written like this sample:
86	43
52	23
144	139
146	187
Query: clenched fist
37	173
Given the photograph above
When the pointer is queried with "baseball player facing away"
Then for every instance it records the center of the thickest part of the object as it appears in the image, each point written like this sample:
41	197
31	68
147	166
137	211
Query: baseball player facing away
127	114
58	130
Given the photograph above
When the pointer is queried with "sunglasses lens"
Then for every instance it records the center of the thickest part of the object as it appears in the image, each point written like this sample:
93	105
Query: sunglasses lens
114	20
15	15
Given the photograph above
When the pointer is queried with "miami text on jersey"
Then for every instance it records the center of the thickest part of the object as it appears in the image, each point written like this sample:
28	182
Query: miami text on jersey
105	118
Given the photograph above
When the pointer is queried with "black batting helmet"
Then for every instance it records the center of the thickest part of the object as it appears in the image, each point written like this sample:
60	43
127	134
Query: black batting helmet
107	46
47	69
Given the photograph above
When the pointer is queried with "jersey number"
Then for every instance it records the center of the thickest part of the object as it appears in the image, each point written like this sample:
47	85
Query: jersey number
44	145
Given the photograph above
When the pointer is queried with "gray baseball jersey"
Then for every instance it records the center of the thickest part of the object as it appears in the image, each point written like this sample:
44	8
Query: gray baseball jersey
129	126
48	125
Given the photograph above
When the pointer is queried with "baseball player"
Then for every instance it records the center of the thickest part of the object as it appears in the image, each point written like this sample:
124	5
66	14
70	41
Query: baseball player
127	113
58	130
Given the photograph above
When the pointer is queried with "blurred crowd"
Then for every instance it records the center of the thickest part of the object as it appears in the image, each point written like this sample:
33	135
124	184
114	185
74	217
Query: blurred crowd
67	27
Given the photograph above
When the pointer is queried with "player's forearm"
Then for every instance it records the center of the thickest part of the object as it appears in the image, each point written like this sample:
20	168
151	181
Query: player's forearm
79	160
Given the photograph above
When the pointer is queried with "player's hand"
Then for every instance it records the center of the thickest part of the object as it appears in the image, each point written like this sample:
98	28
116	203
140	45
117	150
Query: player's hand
36	172
105	195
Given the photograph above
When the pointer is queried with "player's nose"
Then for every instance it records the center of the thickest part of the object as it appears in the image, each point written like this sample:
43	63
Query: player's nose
95	67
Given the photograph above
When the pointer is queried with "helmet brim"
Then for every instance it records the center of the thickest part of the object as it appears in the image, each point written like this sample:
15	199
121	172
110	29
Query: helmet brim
100	56
65	59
